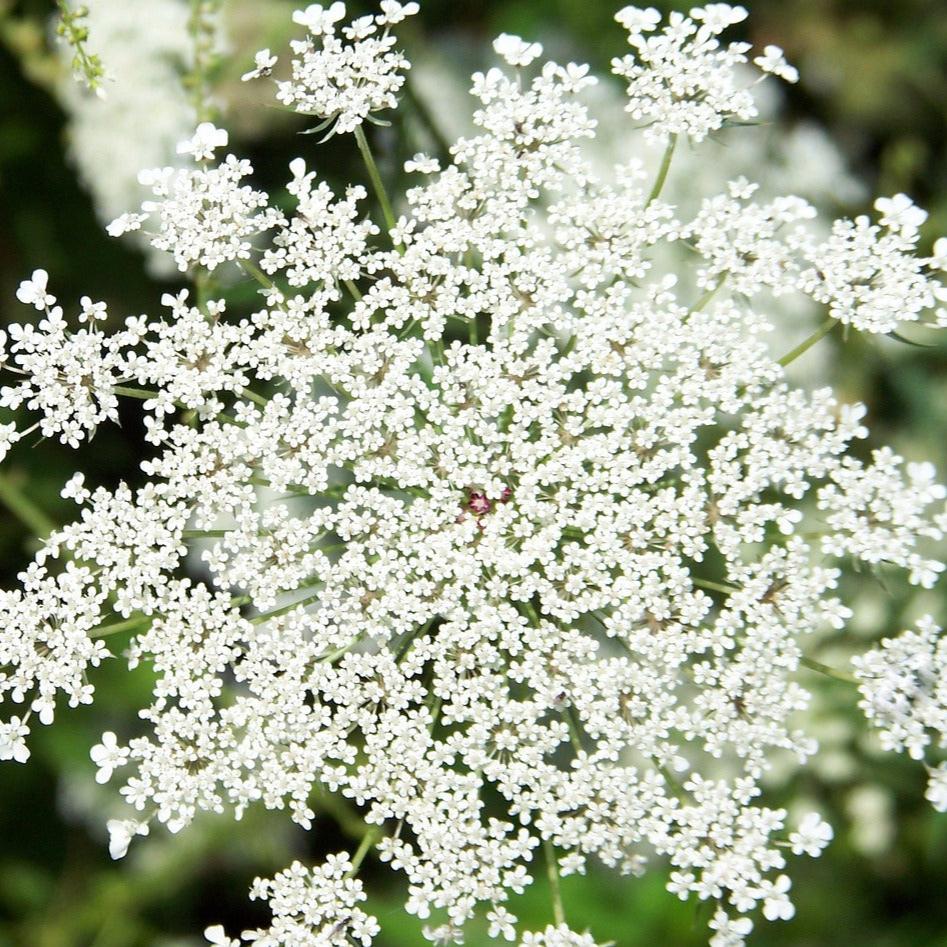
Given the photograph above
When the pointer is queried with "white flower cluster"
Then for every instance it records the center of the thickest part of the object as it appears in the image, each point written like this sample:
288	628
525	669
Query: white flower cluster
903	683
206	215
535	568
681	80
68	377
342	83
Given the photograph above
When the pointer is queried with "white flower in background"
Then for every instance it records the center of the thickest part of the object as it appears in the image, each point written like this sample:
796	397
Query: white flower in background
147	110
544	523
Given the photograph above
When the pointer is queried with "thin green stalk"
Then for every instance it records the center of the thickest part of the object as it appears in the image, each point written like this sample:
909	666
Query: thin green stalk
142	394
367	844
254	397
18	503
814	665
715	586
283	609
699	305
377	183
103	631
663	170
353	289
552	872
804	347
252	270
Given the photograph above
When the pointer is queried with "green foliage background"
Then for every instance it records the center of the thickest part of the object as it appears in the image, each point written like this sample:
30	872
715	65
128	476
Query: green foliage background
875	76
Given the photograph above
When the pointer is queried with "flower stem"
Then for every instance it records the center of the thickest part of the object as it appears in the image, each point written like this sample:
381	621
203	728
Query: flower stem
283	609
552	872
377	184
804	347
367	844
663	170
714	586
252	270
103	631
814	665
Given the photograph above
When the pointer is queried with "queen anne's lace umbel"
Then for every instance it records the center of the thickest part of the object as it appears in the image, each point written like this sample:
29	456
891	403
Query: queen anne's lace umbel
511	539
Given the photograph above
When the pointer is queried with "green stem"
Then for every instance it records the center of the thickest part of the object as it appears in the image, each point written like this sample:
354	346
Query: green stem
367	844
714	586
252	270
377	184
663	170
142	394
254	397
103	631
353	289
699	305
552	872
814	665
25	509
283	609
804	347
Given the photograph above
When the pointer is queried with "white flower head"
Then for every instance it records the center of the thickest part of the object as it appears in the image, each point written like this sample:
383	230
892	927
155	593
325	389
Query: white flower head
393	12
263	63
121	832
516	51
900	213
107	755
206	140
638	20
319	20
217	936
773	61
8	437
33	292
813	834
13	733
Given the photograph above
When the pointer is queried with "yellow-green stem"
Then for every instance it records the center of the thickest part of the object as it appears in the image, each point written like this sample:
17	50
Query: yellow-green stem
663	169
552	872
814	665
377	183
804	346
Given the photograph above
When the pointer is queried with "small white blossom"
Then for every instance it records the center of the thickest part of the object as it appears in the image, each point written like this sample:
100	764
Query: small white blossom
107	756
320	20
32	292
813	834
516	51
263	63
206	140
121	832
774	62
